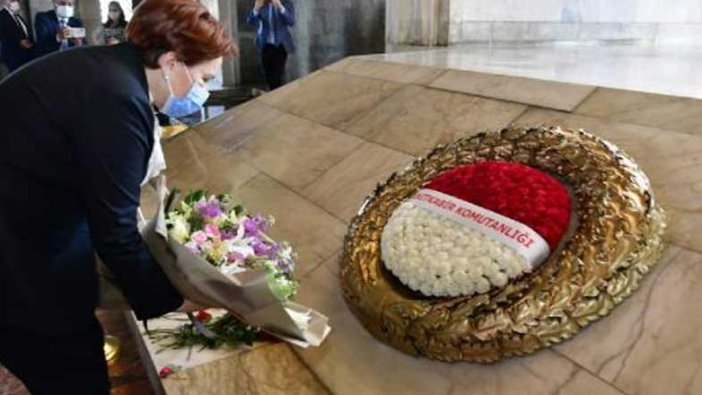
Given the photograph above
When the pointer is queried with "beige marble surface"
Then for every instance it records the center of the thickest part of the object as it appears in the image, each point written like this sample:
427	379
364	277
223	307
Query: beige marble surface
296	151
653	342
231	129
666	112
549	94
333	99
396	72
417	119
342	189
269	370
309	153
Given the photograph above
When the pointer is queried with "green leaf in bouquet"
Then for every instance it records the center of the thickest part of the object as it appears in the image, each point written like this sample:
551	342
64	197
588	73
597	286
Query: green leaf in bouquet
239	210
225	199
171	197
195	196
196	222
283	288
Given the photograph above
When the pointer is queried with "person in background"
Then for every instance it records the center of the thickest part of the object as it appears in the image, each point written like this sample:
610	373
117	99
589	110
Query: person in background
113	30
273	40
53	28
76	144
17	44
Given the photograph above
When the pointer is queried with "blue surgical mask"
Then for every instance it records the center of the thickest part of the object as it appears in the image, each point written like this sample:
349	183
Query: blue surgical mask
193	102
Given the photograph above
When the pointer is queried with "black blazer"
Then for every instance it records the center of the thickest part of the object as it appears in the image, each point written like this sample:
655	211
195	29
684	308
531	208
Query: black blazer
76	134
11	34
46	27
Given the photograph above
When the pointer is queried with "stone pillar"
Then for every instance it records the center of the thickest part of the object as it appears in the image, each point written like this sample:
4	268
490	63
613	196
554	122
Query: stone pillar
89	12
228	16
417	22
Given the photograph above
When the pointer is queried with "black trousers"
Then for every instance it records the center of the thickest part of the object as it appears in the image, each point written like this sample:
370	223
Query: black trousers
273	59
72	363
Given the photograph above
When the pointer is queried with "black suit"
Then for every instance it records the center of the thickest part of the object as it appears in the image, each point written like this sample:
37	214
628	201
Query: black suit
11	34
76	136
47	26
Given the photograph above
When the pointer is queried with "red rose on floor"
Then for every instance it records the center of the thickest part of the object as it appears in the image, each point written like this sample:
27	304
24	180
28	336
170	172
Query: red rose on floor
165	372
203	316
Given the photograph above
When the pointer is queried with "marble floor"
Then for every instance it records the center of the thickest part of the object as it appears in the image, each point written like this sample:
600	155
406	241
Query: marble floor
665	69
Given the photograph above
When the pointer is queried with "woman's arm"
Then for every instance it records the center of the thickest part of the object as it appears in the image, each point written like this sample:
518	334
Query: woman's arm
288	15
254	15
112	146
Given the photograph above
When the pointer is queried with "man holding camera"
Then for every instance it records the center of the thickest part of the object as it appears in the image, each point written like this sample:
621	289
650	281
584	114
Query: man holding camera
59	29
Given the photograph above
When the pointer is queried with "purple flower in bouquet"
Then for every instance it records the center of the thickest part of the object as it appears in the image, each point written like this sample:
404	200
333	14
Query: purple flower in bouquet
228	234
273	251
209	209
261	249
284	267
255	225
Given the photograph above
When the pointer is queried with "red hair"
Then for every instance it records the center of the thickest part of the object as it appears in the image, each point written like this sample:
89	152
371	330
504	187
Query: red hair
185	27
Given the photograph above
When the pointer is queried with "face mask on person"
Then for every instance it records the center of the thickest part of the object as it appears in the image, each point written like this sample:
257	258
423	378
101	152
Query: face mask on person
192	102
15	6
64	11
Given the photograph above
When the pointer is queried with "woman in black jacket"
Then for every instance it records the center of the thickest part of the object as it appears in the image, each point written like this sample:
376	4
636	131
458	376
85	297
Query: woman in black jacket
76	136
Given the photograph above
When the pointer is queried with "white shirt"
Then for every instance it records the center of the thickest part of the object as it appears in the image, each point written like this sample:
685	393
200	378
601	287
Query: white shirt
157	161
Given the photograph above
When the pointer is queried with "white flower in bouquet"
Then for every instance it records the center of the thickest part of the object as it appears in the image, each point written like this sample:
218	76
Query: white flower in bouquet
180	230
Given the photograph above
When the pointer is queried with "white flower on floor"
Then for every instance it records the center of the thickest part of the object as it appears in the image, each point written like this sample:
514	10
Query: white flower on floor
439	257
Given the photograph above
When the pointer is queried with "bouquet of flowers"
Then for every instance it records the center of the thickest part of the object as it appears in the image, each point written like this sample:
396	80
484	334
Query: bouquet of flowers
218	255
232	240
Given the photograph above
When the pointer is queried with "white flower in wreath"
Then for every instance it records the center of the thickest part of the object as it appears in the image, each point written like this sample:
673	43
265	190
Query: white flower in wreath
438	257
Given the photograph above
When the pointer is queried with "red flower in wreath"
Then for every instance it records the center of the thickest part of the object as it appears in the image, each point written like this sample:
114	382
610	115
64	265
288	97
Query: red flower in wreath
513	190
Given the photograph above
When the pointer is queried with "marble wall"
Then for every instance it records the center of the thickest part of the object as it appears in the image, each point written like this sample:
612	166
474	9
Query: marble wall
326	31
575	20
417	22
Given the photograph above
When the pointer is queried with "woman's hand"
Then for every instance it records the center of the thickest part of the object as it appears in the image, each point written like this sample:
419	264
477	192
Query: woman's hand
257	5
